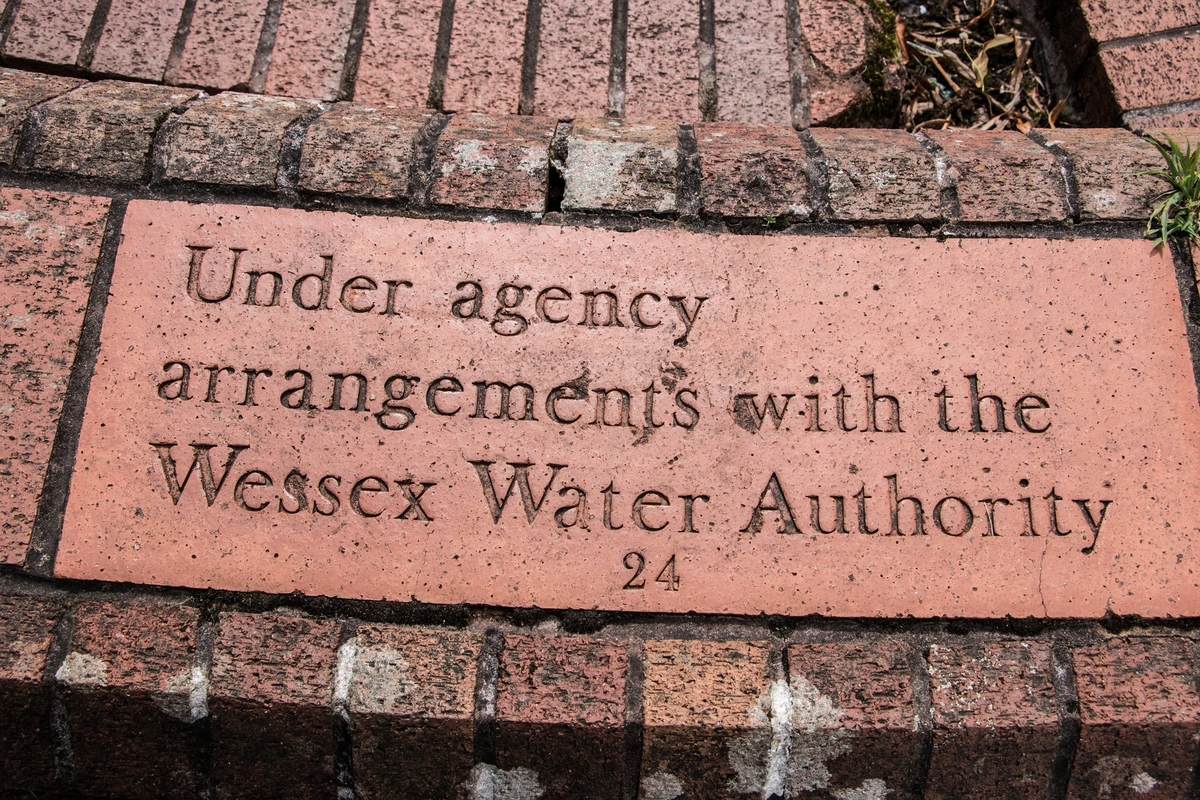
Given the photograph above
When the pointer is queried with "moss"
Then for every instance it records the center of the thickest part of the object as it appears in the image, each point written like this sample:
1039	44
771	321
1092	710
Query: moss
880	106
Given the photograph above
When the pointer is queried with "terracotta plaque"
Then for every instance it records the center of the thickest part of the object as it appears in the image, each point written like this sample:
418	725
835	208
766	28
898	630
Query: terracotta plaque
662	421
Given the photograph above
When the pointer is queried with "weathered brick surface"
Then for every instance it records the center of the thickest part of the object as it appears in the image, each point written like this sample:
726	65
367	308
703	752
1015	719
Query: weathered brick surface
753	83
493	162
484	73
878	175
411	699
1154	72
573	55
50	32
995	720
359	150
397	55
752	171
705	709
1105	164
50	242
835	33
20	92
1141	718
662	65
26	738
617	165
555	699
128	673
310	49
137	38
105	129
852	708
1003	176
231	138
1160	121
1113	19
221	43
270	696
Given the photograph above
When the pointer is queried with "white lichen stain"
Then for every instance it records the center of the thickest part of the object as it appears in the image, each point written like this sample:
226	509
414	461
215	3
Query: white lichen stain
381	680
532	160
871	789
184	696
661	786
80	669
1142	783
469	157
489	782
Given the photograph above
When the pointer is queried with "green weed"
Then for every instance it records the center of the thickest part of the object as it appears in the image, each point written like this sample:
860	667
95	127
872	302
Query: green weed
1177	209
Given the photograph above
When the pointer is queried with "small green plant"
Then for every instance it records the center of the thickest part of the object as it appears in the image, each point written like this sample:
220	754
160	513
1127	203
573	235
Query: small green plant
1177	209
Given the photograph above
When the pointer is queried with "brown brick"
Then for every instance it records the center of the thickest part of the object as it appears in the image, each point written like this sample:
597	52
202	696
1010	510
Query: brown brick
484	73
358	150
1141	718
572	66
397	56
878	175
412	702
1003	176
837	34
853	709
26	738
662	73
1105	164
270	696
1115	19
1157	121
705	710
221	43
137	38
49	31
622	166
493	162
995	720
105	129
560	707
128	673
50	242
1155	72
21	91
310	49
752	171
753	83
230	139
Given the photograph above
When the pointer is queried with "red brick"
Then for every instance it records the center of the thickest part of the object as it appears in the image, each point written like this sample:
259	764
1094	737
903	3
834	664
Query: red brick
20	92
836	33
129	679
50	242
484	73
137	38
397	55
1141	718
358	150
412	702
1157	121
1003	176
878	175
621	166
310	49
573	57
1116	19
707	728
558	698
26	738
270	696
221	44
753	82
1155	72
752	171
995	720
49	31
1105	164
662	66
493	162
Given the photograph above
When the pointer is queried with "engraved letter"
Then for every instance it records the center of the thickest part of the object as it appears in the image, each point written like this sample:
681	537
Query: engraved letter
748	416
298	396
180	384
648	498
193	282
976	400
839	514
1092	522
394	416
968	516
252	288
635	310
294	486
255	477
324	280
504	321
894	501
444	384
553	294
414	500
370	485
359	283
687	317
520	479
1030	402
335	400
778	503
468	306
200	459
873	400
506	400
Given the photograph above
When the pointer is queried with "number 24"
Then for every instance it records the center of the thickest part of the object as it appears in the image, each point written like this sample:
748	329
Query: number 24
637	562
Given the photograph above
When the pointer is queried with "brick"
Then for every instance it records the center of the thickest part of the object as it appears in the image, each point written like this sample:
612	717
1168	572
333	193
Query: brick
230	139
1113	19
836	34
995	720
753	82
50	31
1105	164
358	150
128	674
105	129
397	55
50	243
221	44
752	171
20	92
1141	718
137	38
705	712
26	738
1155	72
573	58
1003	176
411	699
1157	121
270	695
493	162
878	175
662	66
617	165
310	49
555	699
484	73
